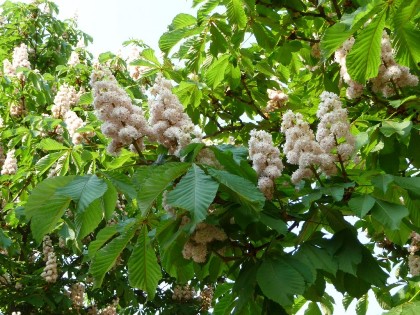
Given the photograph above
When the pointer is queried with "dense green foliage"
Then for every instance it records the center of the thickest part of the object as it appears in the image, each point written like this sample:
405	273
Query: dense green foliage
121	225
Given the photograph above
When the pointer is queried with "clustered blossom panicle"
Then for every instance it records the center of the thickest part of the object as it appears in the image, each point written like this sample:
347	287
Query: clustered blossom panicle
333	133
77	292
73	123
74	59
9	166
66	97
414	258
354	89
277	100
265	160
196	246
16	110
302	149
172	127
183	293
123	122
50	273
2	157
391	75
206	296
20	59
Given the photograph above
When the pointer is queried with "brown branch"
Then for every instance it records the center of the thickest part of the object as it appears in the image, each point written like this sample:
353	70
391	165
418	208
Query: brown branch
336	8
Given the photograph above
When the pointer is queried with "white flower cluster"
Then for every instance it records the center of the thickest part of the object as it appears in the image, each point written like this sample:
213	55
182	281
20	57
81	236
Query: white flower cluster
74	59
50	273
207	156
19	59
206	296
196	246
16	313
110	309
9	166
16	110
2	157
65	98
333	133
265	160
1	122
354	89
302	149
172	127
5	279
277	100
413	258
77	292
391	75
123	122
73	123
183	293
47	247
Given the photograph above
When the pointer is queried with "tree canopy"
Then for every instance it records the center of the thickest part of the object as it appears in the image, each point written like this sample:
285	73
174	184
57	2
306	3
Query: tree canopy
232	174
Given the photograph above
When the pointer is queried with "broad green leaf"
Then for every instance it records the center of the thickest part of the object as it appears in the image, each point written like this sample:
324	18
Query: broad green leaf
406	43
106	257
279	280
83	190
195	192
333	38
365	56
313	309
236	13
88	219
101	238
382	181
169	39
45	206
370	271
183	20
346	250
143	269
206	9
362	305
123	183
188	93
149	54
408	308
389	214
49	144
361	205
411	184
402	129
109	200
216	72
245	192
317	257
86	99
47	161
157	181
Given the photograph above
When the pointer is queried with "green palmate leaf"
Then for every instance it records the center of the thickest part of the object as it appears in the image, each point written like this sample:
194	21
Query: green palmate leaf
361	205
318	258
195	192
156	182
149	54
47	161
102	237
123	183
243	191
88	219
49	144
347	251
45	206
188	93
408	308
109	200
206	9
169	39
365	57
236	13
333	38
401	129
86	99
411	184
216	72
389	214
143	269
105	258
313	309
370	271
183	20
382	181
406	35
279	280
362	305
83	190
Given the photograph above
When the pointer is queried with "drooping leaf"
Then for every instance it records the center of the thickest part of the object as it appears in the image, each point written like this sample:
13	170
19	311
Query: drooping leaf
361	205
49	144
83	190
101	238
365	56
279	280
106	257
45	206
236	13
143	269
245	192
156	182
195	192
389	214
183	20
216	72
408	308
88	219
